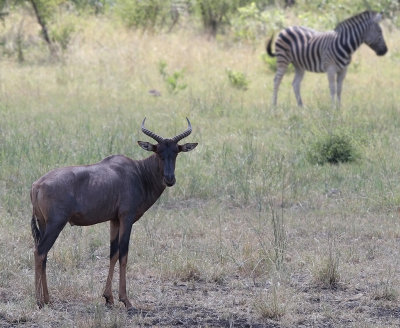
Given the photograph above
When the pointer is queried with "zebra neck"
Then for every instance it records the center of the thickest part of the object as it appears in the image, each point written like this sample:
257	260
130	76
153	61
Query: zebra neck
350	38
348	42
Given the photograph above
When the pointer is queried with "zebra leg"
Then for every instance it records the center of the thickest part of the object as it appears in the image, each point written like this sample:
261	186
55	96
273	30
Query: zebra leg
298	77
340	77
281	70
331	71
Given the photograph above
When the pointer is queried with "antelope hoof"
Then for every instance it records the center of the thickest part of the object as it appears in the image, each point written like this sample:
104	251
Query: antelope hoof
109	300
126	302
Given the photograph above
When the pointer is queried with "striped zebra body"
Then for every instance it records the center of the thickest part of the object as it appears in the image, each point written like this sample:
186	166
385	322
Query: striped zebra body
329	52
307	49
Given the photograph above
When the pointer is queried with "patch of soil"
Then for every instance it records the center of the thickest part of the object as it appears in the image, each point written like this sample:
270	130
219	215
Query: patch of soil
195	316
387	312
6	321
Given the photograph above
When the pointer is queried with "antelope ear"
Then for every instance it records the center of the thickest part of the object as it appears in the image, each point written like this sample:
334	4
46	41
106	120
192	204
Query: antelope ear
377	18
147	146
187	147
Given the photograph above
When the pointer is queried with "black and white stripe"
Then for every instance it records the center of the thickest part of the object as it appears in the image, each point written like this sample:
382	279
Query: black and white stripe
330	52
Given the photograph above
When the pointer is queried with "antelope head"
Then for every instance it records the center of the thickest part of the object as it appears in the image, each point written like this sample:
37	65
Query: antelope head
167	150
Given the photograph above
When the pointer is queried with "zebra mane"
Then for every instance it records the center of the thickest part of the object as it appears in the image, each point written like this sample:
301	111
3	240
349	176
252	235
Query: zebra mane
355	20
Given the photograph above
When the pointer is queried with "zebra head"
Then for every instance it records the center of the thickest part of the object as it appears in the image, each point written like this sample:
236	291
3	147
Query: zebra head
374	37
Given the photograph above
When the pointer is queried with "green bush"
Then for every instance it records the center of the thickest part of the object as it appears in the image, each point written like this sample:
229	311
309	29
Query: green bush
237	79
142	14
333	149
270	63
213	14
94	6
325	15
172	81
217	13
62	34
250	23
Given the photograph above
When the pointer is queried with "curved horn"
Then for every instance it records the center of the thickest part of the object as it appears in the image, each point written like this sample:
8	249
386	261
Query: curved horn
151	134
184	134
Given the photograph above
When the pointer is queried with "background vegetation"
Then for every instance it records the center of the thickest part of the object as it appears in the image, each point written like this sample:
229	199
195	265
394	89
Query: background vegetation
261	228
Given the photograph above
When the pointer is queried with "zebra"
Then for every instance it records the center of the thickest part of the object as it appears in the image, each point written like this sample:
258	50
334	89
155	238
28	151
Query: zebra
328	52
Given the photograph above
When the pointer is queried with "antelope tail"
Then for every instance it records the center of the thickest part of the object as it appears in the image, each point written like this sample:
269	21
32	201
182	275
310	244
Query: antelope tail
269	47
35	230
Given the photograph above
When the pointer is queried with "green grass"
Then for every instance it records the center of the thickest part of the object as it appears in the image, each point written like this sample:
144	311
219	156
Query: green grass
213	232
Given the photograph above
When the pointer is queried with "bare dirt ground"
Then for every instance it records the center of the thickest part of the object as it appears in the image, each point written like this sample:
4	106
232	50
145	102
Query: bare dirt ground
202	304
204	270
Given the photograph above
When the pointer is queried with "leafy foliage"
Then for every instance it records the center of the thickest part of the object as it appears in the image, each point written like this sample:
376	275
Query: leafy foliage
270	63
237	79
333	149
172	81
250	23
47	8
62	34
142	14
327	14
214	14
244	20
96	6
217	13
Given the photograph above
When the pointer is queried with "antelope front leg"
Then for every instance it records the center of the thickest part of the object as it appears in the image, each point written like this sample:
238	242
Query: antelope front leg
124	236
114	254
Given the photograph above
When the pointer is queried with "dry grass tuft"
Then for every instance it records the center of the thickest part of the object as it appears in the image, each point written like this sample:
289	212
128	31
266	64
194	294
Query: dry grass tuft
188	272
327	273
270	304
386	291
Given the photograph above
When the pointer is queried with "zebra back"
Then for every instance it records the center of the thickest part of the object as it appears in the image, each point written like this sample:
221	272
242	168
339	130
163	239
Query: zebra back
315	51
362	19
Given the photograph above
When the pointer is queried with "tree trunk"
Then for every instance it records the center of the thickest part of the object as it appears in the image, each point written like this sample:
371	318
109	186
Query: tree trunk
43	25
289	3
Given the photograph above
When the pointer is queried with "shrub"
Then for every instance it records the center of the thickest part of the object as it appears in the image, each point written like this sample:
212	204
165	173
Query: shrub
172	81
237	79
250	23
270	63
213	14
95	6
334	149
142	14
62	34
327	14
217	13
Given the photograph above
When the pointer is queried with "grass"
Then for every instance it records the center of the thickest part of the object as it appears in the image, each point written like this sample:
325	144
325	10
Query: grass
270	306
206	254
327	274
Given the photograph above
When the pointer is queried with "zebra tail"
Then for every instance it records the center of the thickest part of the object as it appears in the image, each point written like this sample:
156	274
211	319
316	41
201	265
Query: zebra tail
35	230
269	47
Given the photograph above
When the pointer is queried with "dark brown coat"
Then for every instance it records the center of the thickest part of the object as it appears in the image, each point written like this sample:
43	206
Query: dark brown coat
117	189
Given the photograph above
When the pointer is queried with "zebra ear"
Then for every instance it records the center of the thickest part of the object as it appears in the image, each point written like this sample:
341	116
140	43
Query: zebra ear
377	18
